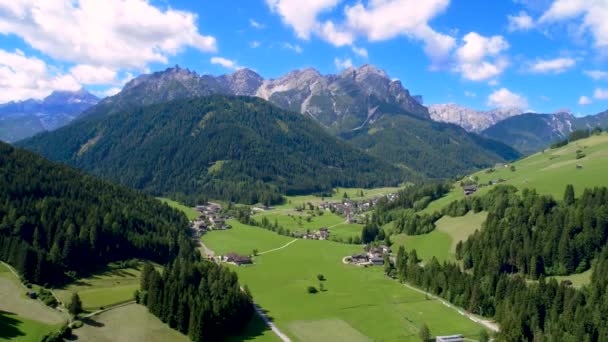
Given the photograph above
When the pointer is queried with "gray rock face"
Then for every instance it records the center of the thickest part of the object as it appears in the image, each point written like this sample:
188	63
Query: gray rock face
341	102
470	119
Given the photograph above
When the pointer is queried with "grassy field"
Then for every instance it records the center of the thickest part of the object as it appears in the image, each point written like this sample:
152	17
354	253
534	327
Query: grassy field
190	212
373	306
23	319
578	280
302	221
441	242
548	172
114	286
243	239
127	323
352	193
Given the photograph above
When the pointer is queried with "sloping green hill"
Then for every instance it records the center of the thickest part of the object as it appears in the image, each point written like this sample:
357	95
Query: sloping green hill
433	149
547	172
235	148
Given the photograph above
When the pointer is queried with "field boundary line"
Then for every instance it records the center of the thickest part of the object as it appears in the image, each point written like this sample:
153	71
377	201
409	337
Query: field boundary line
279	248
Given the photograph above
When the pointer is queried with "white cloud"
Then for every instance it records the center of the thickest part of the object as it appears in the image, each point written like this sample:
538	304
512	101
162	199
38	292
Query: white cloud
336	36
504	98
600	94
343	63
112	91
361	52
593	13
23	77
479	58
255	44
226	63
386	19
597	74
293	47
376	20
88	74
301	15
556	66
520	22
256	24
584	100
113	33
468	93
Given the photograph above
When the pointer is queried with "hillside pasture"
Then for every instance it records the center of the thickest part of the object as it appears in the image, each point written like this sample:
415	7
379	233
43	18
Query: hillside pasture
191	213
21	318
337	195
548	172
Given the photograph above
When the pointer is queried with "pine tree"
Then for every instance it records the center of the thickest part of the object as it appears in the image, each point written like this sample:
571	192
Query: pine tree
75	306
425	333
569	195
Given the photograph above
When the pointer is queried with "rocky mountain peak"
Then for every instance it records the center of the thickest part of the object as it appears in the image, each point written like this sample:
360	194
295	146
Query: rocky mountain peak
242	82
63	97
470	119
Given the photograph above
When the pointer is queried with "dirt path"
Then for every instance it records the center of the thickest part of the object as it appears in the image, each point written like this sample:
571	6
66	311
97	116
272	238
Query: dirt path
276	249
95	313
486	323
269	323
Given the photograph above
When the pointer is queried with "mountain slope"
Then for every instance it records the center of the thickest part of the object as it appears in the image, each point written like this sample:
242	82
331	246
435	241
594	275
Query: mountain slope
470	119
530	132
237	148
55	219
19	120
433	149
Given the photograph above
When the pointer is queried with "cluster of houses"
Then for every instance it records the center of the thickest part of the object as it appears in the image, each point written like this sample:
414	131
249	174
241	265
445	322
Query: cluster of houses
373	256
321	234
237	259
210	219
349	208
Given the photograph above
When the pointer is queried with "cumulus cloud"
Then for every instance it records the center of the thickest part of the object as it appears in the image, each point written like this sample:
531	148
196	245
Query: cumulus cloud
600	94
88	74
520	22
112	33
479	58
343	63
361	52
504	98
23	77
376	20
556	66
597	74
584	100
301	15
593	13
226	63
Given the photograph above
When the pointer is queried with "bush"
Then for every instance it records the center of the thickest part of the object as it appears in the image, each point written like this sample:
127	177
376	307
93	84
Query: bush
76	324
580	154
312	290
320	277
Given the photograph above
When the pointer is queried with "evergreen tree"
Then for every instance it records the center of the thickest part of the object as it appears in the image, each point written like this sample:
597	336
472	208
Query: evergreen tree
569	195
75	306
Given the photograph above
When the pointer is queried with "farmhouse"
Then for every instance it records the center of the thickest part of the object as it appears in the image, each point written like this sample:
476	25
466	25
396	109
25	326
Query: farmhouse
237	259
359	258
376	260
469	189
451	338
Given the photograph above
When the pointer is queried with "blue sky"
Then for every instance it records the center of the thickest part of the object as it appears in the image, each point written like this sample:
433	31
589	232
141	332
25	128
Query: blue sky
541	55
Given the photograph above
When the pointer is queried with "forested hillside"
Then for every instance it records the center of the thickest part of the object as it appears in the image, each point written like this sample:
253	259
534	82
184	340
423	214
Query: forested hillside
56	220
526	237
433	149
240	149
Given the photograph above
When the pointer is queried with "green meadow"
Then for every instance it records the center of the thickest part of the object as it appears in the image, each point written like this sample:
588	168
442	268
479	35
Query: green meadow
358	304
441	242
114	286
23	319
337	195
548	172
190	212
302	221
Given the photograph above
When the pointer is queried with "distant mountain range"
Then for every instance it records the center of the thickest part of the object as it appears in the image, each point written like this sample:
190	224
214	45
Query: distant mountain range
19	120
532	132
362	106
470	119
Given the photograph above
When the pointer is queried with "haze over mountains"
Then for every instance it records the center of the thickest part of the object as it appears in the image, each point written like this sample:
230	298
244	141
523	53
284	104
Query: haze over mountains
22	119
